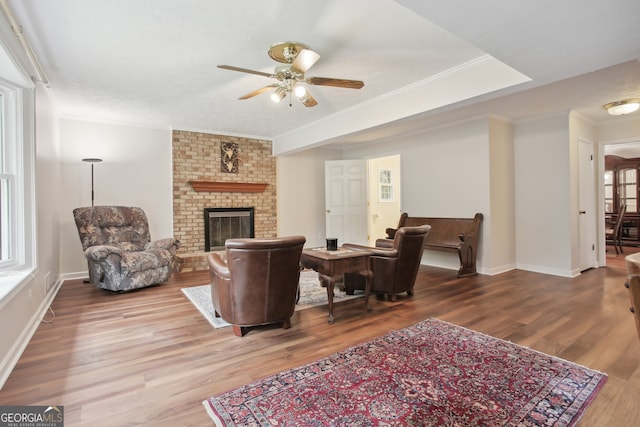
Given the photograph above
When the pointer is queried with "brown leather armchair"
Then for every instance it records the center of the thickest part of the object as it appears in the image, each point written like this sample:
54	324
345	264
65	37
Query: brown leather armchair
394	266
255	281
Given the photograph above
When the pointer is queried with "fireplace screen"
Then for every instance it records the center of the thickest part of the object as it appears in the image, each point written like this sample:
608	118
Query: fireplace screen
221	224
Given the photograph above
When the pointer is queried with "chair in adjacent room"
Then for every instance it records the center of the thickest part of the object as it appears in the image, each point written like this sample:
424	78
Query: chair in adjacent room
118	248
613	234
394	263
255	281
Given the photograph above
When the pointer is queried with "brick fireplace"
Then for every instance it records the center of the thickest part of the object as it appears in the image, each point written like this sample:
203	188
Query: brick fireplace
199	182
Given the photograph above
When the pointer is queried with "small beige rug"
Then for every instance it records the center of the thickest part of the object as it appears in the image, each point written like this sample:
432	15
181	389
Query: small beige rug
311	295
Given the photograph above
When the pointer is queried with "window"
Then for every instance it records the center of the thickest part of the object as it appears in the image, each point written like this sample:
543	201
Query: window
7	181
385	185
17	176
627	188
13	178
608	192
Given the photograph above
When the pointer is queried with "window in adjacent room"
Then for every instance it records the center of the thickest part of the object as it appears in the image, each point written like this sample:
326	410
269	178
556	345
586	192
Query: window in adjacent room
608	192
628	188
385	185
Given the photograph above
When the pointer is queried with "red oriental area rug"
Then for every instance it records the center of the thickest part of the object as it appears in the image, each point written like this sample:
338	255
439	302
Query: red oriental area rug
430	374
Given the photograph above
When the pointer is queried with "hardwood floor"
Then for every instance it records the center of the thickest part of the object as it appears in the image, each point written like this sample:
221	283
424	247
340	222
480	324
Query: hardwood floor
616	260
149	358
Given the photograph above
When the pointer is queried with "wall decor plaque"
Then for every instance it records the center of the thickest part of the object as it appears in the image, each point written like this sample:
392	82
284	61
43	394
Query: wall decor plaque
229	157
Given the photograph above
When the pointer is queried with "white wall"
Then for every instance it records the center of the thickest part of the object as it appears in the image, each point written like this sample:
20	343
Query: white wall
136	171
543	196
445	173
300	181
619	129
499	228
48	186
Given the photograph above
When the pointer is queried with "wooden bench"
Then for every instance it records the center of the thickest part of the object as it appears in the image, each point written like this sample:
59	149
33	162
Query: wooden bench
447	234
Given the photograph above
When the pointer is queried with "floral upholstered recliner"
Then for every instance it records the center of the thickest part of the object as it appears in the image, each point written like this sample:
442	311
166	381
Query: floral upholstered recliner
118	247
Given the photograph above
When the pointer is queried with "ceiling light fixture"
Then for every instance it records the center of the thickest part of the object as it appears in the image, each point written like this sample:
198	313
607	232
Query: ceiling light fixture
278	94
619	108
300	91
289	87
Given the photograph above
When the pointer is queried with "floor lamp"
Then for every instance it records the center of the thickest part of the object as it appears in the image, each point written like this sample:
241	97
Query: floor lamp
92	161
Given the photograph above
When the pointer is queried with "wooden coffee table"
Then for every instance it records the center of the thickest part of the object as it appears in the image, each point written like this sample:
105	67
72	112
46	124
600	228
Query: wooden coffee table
331	266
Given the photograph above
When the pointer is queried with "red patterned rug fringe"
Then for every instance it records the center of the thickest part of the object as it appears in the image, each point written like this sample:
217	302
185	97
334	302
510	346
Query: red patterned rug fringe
432	373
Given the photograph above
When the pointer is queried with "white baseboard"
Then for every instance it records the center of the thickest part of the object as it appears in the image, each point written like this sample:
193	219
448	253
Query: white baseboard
547	270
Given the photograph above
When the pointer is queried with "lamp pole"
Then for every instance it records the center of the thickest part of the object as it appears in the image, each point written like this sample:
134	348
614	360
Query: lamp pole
92	161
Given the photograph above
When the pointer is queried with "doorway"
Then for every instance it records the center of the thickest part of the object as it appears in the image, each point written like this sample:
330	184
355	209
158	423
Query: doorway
384	204
362	198
619	185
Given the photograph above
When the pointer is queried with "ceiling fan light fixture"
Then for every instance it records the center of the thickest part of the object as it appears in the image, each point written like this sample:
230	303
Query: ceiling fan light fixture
295	59
278	94
300	91
619	108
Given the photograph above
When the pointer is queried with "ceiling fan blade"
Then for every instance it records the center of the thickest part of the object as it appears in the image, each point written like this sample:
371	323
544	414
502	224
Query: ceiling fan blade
244	70
258	91
326	81
308	100
305	60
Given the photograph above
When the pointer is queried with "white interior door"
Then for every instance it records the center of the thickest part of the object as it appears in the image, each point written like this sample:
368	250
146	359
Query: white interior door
384	196
346	200
586	206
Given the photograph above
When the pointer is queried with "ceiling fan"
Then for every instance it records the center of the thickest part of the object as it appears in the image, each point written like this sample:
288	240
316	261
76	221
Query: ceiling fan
296	59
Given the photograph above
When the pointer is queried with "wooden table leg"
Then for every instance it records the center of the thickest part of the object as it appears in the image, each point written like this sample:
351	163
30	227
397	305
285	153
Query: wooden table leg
368	288
331	283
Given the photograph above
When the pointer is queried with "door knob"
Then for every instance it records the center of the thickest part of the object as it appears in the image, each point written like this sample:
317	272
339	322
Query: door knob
328	211
582	212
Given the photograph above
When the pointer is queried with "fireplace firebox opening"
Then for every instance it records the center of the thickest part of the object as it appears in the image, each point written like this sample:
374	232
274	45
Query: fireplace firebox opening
221	224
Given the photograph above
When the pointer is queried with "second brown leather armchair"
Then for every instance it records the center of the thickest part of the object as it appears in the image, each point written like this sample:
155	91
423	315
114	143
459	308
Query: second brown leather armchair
394	268
255	281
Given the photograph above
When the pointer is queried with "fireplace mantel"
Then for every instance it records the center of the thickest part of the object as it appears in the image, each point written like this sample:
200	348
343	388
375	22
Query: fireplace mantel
231	187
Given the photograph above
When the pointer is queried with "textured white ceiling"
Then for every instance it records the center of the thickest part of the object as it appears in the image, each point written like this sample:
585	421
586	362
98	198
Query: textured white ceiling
153	62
